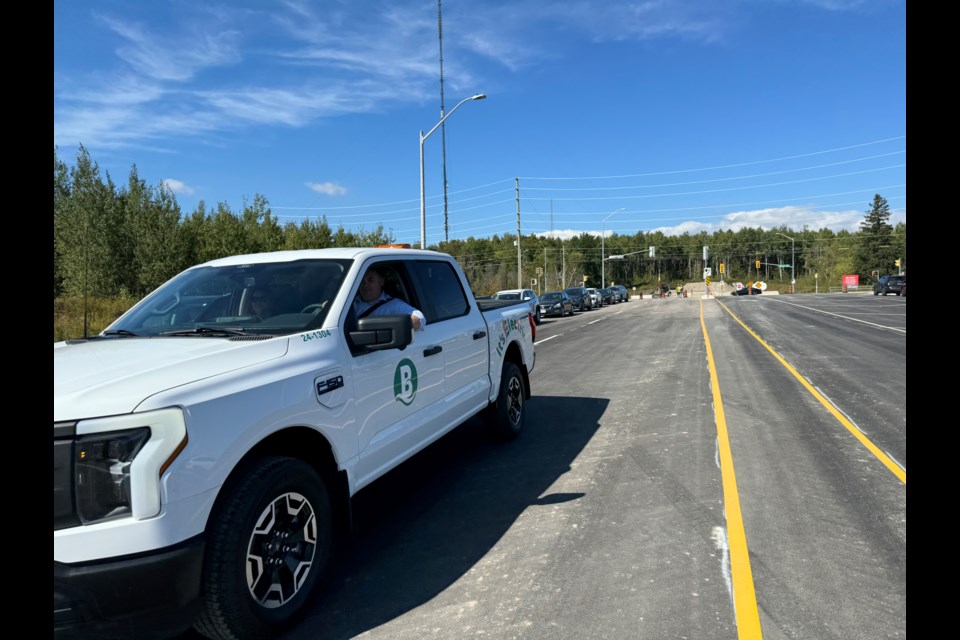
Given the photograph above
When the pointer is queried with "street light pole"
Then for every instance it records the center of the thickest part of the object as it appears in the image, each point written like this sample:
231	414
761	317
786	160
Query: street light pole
423	204
603	235
793	262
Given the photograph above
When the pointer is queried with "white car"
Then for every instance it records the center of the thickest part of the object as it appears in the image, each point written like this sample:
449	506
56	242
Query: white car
522	294
597	298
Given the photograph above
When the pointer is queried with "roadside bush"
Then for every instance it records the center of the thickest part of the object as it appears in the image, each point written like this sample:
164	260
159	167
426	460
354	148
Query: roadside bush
68	315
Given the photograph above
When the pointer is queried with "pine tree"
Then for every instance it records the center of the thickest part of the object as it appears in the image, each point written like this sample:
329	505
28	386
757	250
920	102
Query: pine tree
875	250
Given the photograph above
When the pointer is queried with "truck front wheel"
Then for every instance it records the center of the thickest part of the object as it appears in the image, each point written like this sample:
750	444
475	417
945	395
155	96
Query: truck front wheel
507	414
268	543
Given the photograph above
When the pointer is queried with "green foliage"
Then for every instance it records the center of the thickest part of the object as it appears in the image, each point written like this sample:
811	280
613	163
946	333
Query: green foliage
71	314
114	245
876	250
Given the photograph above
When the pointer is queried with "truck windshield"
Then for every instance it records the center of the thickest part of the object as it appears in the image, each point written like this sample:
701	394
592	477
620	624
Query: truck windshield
259	299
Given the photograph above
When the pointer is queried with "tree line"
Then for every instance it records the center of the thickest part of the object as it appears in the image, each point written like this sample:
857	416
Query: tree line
115	241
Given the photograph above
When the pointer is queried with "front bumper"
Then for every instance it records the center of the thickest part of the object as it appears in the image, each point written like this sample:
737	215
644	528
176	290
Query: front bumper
150	595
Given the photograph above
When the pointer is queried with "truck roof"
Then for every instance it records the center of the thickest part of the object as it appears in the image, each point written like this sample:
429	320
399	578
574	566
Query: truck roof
351	253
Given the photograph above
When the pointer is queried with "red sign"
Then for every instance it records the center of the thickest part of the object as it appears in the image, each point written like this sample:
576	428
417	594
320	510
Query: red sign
850	281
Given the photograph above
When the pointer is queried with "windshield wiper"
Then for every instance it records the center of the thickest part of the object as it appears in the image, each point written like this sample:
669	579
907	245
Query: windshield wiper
207	331
118	332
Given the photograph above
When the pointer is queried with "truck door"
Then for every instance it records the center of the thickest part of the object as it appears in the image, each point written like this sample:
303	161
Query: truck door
398	394
461	331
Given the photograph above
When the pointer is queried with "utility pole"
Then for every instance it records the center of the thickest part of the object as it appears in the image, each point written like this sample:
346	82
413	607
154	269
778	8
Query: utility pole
519	272
443	126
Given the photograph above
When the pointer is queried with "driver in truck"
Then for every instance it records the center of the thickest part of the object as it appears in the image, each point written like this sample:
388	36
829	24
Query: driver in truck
261	303
371	300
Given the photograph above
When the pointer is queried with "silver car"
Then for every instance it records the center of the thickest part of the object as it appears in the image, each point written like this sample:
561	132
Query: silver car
597	298
522	294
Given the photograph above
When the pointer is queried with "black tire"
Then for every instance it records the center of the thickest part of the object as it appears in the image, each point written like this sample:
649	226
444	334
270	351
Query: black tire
269	532
536	317
507	415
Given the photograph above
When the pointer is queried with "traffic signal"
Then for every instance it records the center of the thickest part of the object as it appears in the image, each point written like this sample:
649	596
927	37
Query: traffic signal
758	264
721	268
897	262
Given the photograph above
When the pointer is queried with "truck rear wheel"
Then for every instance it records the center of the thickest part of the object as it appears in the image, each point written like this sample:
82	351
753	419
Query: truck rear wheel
507	414
268	544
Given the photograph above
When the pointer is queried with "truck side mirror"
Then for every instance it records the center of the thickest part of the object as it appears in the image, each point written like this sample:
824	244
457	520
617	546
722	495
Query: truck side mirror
381	332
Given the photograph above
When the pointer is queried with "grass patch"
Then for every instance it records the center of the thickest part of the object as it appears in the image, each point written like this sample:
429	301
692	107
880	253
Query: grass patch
68	314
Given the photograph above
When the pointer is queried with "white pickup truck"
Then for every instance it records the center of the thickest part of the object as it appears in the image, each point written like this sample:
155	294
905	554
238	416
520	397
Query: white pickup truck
205	454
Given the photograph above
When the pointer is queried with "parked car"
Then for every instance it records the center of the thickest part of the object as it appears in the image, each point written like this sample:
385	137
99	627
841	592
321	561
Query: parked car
606	295
747	291
620	293
556	303
581	298
889	284
597	298
522	294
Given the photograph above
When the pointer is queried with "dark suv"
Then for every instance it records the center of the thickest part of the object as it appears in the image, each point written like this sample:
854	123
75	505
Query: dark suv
581	298
889	284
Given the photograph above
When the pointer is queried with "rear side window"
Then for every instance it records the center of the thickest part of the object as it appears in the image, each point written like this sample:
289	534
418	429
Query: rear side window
443	297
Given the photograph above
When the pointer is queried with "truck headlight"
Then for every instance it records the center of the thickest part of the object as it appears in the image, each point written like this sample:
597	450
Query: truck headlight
103	473
119	461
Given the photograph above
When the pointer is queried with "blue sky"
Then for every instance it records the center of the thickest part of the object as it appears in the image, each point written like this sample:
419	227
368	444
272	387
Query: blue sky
615	116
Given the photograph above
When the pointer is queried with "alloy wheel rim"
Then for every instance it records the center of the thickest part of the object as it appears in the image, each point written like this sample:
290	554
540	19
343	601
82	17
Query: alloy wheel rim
281	550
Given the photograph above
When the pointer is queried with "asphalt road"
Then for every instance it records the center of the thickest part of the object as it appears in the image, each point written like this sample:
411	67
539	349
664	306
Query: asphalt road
690	469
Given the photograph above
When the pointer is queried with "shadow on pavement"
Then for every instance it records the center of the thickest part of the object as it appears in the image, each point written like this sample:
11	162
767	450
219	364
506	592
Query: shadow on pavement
424	525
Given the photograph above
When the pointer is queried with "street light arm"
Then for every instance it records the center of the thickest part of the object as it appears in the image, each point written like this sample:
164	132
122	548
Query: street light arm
614	213
603	237
423	197
479	96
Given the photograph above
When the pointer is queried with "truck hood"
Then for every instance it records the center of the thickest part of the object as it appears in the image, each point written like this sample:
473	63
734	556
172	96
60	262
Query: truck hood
103	377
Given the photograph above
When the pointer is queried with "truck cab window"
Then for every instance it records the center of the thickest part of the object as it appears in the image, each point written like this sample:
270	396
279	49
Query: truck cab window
447	298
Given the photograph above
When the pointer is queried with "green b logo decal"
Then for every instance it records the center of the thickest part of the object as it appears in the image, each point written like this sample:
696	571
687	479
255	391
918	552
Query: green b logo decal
405	382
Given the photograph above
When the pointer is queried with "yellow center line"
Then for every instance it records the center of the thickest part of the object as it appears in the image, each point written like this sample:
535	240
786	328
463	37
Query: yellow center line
744	596
889	463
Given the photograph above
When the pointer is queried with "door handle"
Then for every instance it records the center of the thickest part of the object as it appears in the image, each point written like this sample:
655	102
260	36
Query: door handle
479	334
432	351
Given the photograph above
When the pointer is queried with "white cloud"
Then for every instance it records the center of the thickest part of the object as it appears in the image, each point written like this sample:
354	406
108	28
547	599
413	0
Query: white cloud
792	217
178	186
165	61
328	188
171	56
